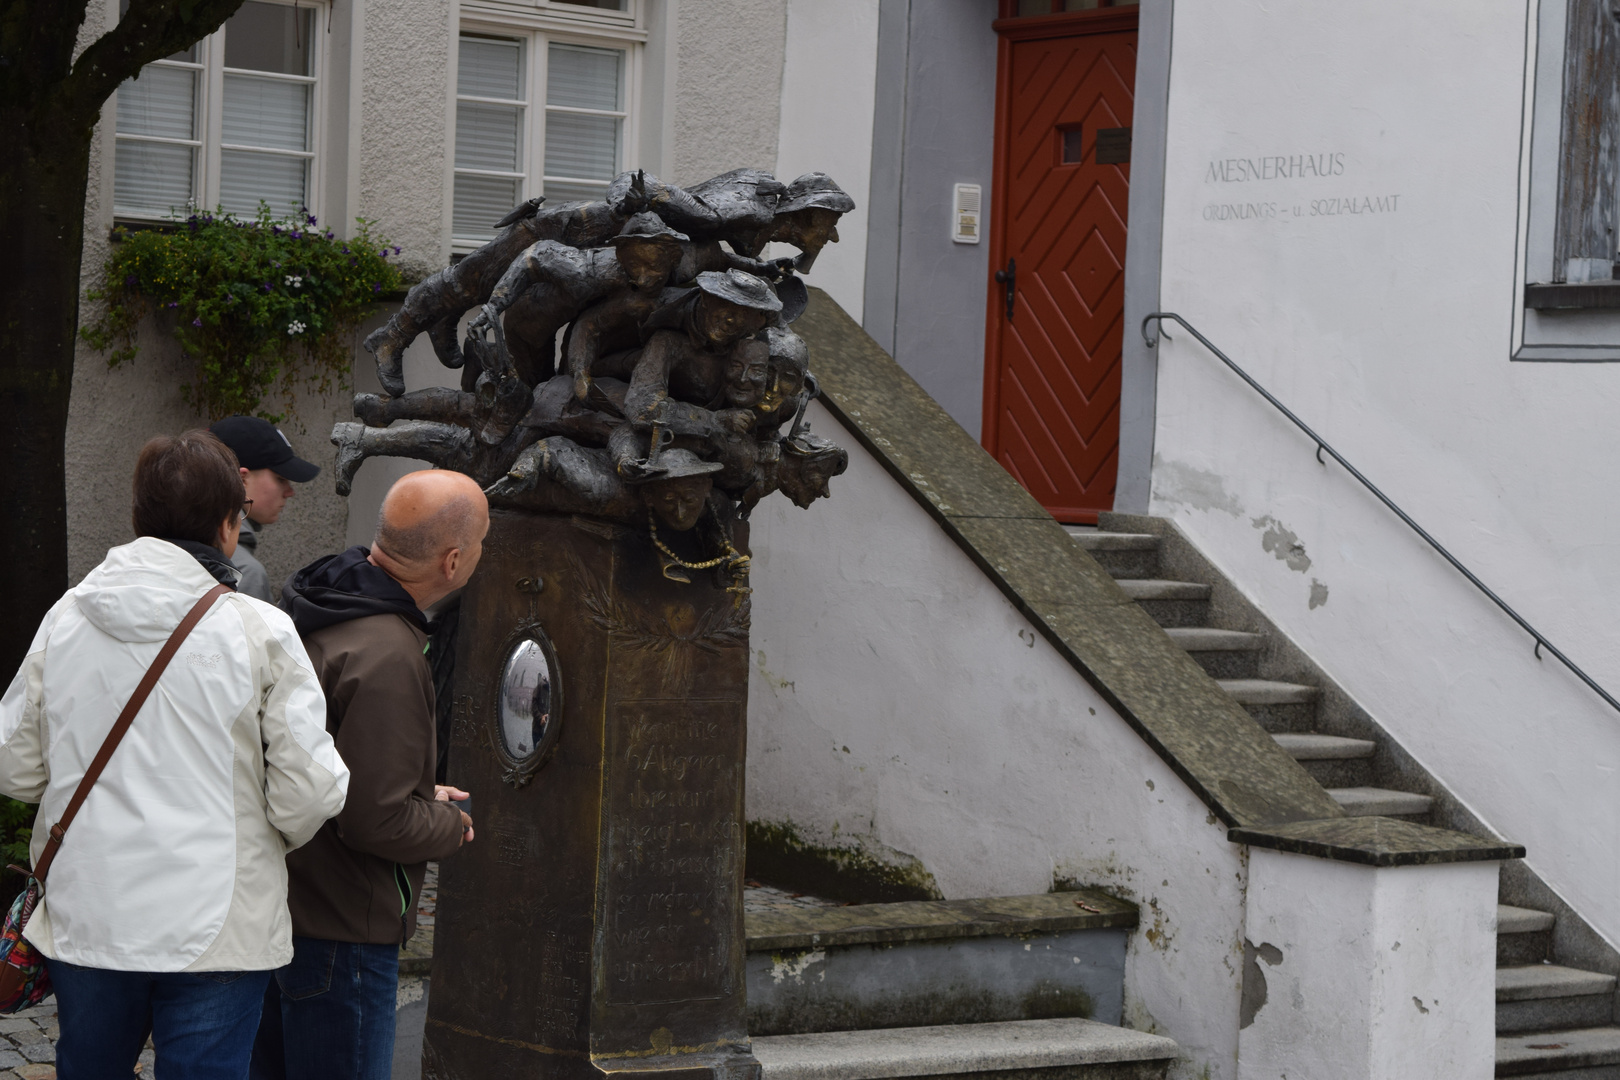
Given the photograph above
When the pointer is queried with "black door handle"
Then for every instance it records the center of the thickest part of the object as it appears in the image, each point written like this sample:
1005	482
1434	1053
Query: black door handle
1009	278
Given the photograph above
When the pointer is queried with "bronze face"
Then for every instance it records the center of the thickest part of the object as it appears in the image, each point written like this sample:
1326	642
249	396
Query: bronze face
649	262
785	380
746	374
806	479
809	230
721	322
678	503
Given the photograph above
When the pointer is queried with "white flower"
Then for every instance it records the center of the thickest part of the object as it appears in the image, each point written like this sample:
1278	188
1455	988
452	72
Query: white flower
295	280
296	327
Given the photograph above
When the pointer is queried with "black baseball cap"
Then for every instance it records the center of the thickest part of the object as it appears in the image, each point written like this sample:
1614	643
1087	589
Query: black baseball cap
258	444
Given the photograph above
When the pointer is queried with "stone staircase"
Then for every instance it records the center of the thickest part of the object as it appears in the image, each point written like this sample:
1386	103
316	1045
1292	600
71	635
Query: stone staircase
1232	657
1005	987
1552	1020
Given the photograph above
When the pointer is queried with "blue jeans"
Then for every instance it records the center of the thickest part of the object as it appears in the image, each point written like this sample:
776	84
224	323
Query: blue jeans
329	1015
201	1024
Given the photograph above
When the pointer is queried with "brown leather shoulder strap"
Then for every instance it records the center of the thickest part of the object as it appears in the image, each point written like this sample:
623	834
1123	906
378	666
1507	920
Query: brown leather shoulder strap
122	724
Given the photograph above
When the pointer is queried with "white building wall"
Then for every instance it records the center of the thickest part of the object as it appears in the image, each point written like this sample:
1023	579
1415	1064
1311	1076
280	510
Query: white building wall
728	86
1358	973
828	94
1390	333
900	704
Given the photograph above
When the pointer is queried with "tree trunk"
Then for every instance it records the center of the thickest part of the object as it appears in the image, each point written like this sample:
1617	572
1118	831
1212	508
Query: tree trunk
44	173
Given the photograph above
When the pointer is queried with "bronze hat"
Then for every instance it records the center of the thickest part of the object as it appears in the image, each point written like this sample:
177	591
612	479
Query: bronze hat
740	288
814	189
648	226
677	465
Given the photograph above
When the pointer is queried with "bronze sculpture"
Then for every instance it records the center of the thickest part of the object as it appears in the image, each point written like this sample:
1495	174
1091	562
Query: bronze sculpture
596	927
675	343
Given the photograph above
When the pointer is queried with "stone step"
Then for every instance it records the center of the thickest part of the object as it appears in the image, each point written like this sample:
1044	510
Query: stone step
1543	997
1309	746
1594	1051
1071	1049
1123	555
1267	692
1518	920
1223	654
1156	589
1523	936
1107	541
1170	603
1380	802
1209	639
926	962
1275	706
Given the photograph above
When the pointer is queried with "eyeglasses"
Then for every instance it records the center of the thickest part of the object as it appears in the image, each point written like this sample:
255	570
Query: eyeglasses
246	506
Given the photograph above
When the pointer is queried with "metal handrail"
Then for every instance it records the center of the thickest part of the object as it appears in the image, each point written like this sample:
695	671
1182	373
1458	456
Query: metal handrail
1322	444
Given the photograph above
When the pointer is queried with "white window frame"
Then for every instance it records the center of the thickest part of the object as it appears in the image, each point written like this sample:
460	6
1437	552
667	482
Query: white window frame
210	63
538	25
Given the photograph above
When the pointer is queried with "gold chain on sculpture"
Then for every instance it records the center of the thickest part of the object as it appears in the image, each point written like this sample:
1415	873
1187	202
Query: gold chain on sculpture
735	562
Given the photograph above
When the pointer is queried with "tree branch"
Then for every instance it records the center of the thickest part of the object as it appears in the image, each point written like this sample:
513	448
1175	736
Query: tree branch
149	30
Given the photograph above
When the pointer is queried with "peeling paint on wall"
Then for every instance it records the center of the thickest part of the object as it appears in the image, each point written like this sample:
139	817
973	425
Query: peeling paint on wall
1319	594
1254	979
1283	543
1192	487
792	965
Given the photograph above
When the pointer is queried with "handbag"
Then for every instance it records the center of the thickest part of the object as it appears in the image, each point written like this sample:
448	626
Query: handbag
24	981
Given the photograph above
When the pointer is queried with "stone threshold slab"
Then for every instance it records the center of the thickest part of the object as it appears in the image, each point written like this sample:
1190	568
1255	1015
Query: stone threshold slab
933	920
954	1050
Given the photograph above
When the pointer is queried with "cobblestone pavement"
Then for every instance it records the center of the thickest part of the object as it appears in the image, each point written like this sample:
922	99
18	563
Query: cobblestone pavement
28	1044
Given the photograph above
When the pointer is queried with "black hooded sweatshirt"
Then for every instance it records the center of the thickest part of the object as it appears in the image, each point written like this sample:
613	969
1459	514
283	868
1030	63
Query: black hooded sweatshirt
359	878
337	588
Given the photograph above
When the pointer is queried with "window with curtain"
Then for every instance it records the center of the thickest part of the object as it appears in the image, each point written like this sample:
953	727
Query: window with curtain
226	123
533	117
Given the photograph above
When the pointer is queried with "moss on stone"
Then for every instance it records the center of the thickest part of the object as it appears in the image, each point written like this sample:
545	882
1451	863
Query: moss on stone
778	854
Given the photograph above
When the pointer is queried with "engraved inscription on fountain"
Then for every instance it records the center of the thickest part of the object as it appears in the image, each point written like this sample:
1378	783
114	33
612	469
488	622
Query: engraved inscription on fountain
672	843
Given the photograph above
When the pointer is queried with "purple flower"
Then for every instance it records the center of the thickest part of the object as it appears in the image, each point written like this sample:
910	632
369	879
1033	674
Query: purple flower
267	286
396	249
275	230
196	322
329	234
296	235
376	288
385	253
345	248
173	305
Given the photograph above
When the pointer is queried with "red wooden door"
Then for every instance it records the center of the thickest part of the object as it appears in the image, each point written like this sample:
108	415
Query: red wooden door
1052	369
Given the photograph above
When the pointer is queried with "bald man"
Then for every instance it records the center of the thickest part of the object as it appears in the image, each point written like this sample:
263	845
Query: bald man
353	889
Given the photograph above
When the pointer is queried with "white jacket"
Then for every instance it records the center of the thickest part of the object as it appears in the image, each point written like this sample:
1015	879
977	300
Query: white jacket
176	862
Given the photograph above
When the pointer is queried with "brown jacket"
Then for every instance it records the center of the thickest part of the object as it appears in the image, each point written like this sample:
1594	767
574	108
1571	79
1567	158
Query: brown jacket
359	879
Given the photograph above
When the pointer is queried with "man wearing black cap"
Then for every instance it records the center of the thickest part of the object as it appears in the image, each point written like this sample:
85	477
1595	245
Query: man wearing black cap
269	469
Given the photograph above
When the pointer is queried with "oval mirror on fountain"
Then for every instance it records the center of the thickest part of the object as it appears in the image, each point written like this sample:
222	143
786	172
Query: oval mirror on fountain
527	709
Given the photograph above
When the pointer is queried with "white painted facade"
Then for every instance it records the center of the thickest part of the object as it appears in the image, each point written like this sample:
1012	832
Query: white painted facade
1392	333
1359	973
900	705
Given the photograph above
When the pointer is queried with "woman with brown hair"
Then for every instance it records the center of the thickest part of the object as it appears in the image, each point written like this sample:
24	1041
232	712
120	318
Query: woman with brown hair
166	908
